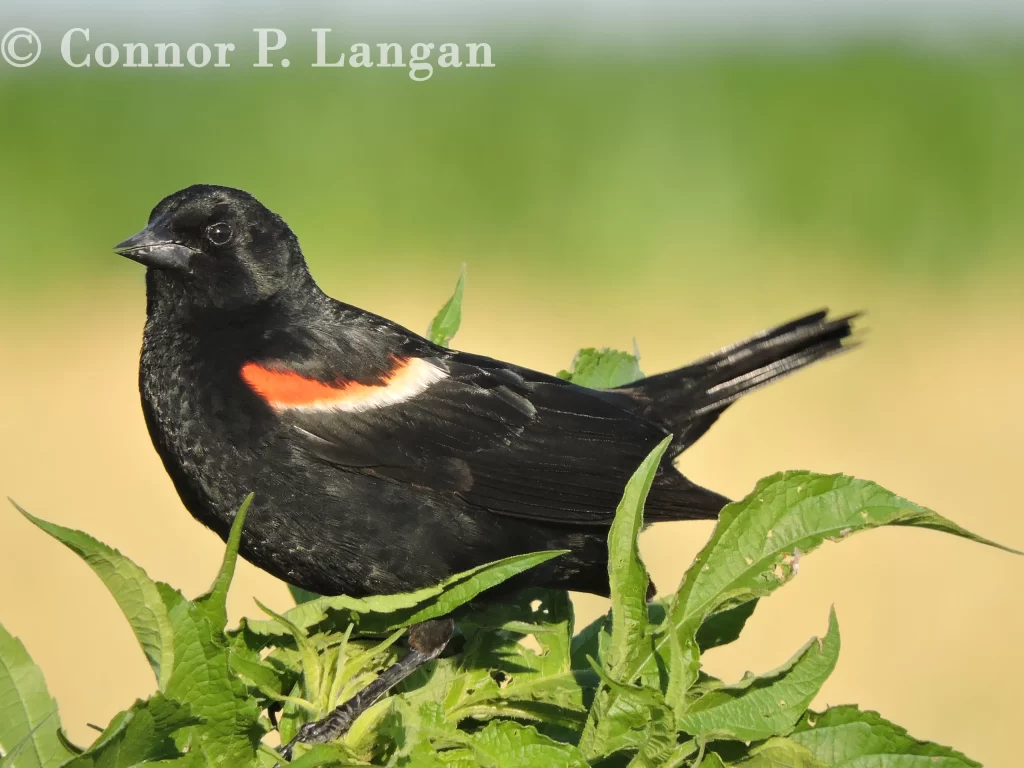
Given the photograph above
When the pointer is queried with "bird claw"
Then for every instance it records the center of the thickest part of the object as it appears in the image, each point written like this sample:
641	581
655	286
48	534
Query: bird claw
332	727
426	640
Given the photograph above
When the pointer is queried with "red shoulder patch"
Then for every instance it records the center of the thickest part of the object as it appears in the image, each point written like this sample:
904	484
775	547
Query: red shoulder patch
284	389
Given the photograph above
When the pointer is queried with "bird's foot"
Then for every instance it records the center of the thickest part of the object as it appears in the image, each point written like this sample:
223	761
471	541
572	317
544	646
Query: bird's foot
335	725
426	641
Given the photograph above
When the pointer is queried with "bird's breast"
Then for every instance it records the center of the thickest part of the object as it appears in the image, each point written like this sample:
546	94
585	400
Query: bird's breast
203	425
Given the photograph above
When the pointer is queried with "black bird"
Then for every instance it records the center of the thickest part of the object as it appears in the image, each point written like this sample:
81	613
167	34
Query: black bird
382	462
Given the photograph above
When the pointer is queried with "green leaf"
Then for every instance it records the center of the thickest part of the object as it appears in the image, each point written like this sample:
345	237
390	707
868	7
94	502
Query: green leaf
660	743
385	613
215	601
140	599
725	626
757	545
602	368
202	679
261	675
312	684
711	760
446	322
29	722
782	753
761	707
496	676
323	755
417	731
846	737
681	754
717	630
634	718
142	734
9	759
505	744
311	670
630	638
300	595
589	640
627	576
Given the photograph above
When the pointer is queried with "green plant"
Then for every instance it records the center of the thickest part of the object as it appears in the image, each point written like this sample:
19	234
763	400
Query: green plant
627	689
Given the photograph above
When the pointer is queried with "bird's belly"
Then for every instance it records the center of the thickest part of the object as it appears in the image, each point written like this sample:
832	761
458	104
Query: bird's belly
334	531
323	528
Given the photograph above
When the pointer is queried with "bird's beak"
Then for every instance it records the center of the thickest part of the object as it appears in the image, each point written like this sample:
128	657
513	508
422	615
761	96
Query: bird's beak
156	247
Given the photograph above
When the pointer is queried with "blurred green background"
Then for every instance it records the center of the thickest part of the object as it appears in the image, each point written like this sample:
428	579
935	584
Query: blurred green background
681	197
891	157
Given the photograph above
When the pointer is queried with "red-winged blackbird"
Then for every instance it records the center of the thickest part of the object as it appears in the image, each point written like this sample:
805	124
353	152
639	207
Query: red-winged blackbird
382	462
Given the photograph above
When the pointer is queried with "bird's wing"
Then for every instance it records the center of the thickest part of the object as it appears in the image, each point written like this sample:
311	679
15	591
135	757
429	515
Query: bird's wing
503	438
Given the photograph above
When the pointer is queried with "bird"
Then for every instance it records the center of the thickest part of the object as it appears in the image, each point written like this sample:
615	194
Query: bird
381	462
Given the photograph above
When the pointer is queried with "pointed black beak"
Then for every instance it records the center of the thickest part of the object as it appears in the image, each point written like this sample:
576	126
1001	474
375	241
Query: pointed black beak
156	247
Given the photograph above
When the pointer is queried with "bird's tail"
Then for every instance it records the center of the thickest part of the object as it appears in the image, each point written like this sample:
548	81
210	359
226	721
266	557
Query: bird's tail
689	400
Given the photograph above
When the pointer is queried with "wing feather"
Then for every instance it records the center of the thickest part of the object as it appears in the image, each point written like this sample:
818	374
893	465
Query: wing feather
505	439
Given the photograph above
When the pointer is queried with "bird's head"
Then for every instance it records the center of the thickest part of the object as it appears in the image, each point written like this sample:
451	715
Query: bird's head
216	247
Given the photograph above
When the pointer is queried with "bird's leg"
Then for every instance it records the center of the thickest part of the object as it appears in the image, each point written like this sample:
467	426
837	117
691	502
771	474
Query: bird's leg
426	641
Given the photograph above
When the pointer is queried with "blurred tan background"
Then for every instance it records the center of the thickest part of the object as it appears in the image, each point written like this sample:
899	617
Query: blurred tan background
685	198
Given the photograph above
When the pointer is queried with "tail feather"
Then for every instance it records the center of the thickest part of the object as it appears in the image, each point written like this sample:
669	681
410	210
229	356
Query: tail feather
689	400
675	497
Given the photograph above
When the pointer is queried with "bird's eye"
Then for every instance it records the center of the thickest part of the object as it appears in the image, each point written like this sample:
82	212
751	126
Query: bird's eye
219	233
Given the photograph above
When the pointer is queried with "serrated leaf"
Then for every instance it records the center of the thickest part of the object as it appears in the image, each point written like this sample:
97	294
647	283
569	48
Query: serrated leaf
630	639
343	664
417	731
631	717
10	758
142	734
627	575
323	756
718	629
203	680
846	737
660	742
215	602
496	676
781	753
138	596
506	744
310	658
446	322
260	675
385	613
757	545
450	758
725	626
764	706
602	368
682	753
29	722
447	758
